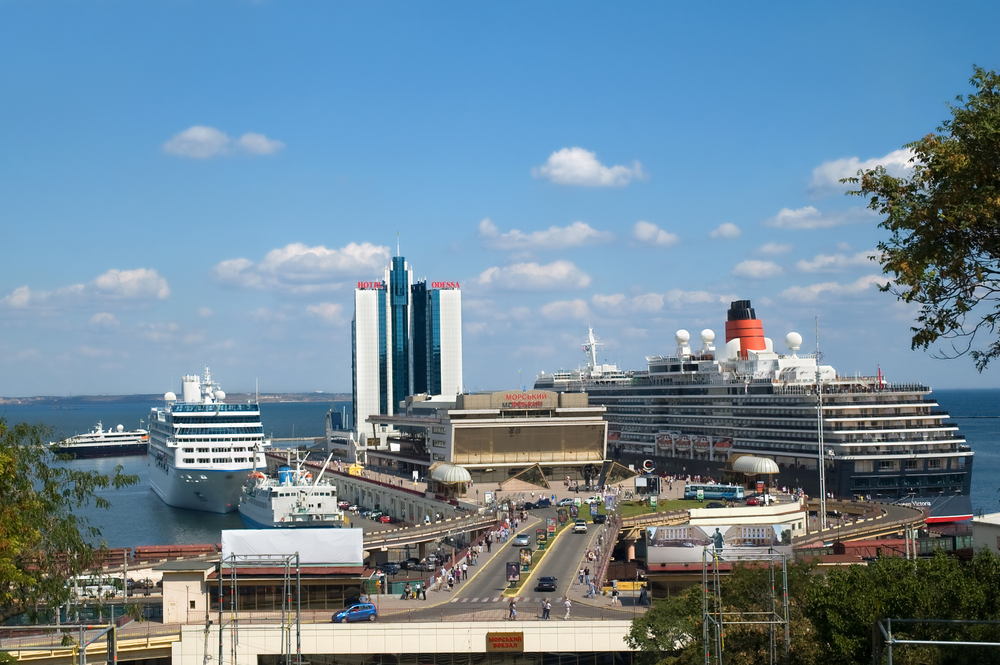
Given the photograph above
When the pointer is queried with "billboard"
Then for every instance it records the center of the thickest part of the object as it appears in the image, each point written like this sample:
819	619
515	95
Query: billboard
513	572
684	544
323	545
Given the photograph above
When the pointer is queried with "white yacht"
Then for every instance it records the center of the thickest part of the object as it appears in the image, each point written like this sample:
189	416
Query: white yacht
290	500
201	449
111	442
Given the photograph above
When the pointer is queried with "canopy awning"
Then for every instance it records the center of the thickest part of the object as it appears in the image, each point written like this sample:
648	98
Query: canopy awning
450	473
753	466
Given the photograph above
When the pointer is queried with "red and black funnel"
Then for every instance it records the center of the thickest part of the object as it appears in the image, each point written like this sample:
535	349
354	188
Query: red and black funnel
743	324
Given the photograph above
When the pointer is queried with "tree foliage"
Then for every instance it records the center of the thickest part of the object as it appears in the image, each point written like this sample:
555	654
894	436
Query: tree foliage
944	217
833	615
43	538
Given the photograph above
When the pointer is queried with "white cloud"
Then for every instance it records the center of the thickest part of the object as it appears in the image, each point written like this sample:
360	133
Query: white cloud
726	231
566	309
757	269
200	142
647	303
574	235
113	286
535	277
298	268
576	166
647	232
104	320
826	177
328	311
93	352
259	144
811	218
774	249
826	289
835	262
204	312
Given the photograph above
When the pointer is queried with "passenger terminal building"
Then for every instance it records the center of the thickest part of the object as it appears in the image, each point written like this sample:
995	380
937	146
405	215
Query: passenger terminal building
406	339
494	436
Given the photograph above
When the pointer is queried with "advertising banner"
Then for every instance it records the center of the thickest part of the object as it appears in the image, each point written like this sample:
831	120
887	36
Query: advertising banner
513	572
562	515
760	487
608	499
525	557
540	536
574	511
550	526
652	501
684	544
593	509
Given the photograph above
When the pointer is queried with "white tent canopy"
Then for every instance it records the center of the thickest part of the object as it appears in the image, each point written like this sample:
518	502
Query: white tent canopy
450	473
753	466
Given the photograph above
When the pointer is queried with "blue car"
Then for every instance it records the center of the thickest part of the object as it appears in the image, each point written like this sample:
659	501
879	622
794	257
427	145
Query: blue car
358	612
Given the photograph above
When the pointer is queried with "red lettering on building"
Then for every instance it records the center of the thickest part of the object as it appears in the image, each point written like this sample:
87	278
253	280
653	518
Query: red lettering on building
445	285
371	285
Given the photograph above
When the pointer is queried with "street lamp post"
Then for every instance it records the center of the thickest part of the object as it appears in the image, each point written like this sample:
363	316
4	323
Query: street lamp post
187	605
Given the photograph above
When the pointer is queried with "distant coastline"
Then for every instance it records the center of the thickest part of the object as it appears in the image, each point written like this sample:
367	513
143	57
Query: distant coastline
81	400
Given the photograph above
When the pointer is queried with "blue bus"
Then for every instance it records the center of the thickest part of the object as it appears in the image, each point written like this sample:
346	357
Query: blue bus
731	492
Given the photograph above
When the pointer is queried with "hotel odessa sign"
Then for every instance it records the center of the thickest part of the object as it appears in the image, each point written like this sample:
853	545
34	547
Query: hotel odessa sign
504	642
532	399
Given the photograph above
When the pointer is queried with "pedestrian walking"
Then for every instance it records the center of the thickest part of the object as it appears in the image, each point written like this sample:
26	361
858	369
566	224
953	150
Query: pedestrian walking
546	608
581	576
568	605
451	582
465	571
586	574
614	597
592	593
489	544
512	610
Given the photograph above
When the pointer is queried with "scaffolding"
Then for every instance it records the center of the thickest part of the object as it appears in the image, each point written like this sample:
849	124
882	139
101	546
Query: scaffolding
291	602
716	617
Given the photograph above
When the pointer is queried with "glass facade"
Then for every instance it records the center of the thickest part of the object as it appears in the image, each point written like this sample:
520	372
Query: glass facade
399	291
419	297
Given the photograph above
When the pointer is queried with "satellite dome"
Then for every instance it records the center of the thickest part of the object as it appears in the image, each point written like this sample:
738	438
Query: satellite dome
682	336
121	428
219	395
707	336
793	341
170	397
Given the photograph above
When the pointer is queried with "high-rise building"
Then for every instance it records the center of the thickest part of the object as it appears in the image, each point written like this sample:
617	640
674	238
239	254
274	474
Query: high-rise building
407	339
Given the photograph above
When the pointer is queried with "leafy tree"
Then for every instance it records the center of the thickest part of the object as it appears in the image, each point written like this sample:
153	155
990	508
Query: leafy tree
43	541
944	252
669	633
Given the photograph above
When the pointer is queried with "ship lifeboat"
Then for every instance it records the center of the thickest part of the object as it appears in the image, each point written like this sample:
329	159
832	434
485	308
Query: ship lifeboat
702	445
664	441
684	443
723	446
614	436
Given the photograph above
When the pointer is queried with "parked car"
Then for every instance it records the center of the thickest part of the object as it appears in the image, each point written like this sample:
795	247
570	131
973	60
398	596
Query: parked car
522	540
353	507
716	504
375	514
600	518
566	502
358	612
343	505
409	564
388	519
426	565
546	583
579	526
597	498
389	568
543	503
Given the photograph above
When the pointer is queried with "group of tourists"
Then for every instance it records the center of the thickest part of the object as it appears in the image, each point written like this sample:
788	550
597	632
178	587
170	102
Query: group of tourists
546	608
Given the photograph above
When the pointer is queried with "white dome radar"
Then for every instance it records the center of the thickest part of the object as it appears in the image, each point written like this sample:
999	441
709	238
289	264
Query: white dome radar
170	397
219	395
793	341
121	428
707	336
682	337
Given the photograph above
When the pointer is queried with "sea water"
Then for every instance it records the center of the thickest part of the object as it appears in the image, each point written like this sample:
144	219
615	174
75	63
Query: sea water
138	517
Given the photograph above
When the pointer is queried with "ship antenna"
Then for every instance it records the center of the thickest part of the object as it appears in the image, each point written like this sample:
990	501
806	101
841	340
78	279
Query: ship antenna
819	437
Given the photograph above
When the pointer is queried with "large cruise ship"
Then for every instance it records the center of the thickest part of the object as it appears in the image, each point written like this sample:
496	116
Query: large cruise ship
201	449
694	411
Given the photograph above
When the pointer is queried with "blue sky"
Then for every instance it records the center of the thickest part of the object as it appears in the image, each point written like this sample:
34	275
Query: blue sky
192	183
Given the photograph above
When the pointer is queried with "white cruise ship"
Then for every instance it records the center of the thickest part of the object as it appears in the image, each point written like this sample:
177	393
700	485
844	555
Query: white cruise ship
201	449
694	411
290	500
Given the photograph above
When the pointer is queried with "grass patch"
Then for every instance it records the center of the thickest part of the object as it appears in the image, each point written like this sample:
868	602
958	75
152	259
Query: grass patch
632	508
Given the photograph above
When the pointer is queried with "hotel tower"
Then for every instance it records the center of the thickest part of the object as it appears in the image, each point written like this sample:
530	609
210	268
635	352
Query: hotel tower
406	339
